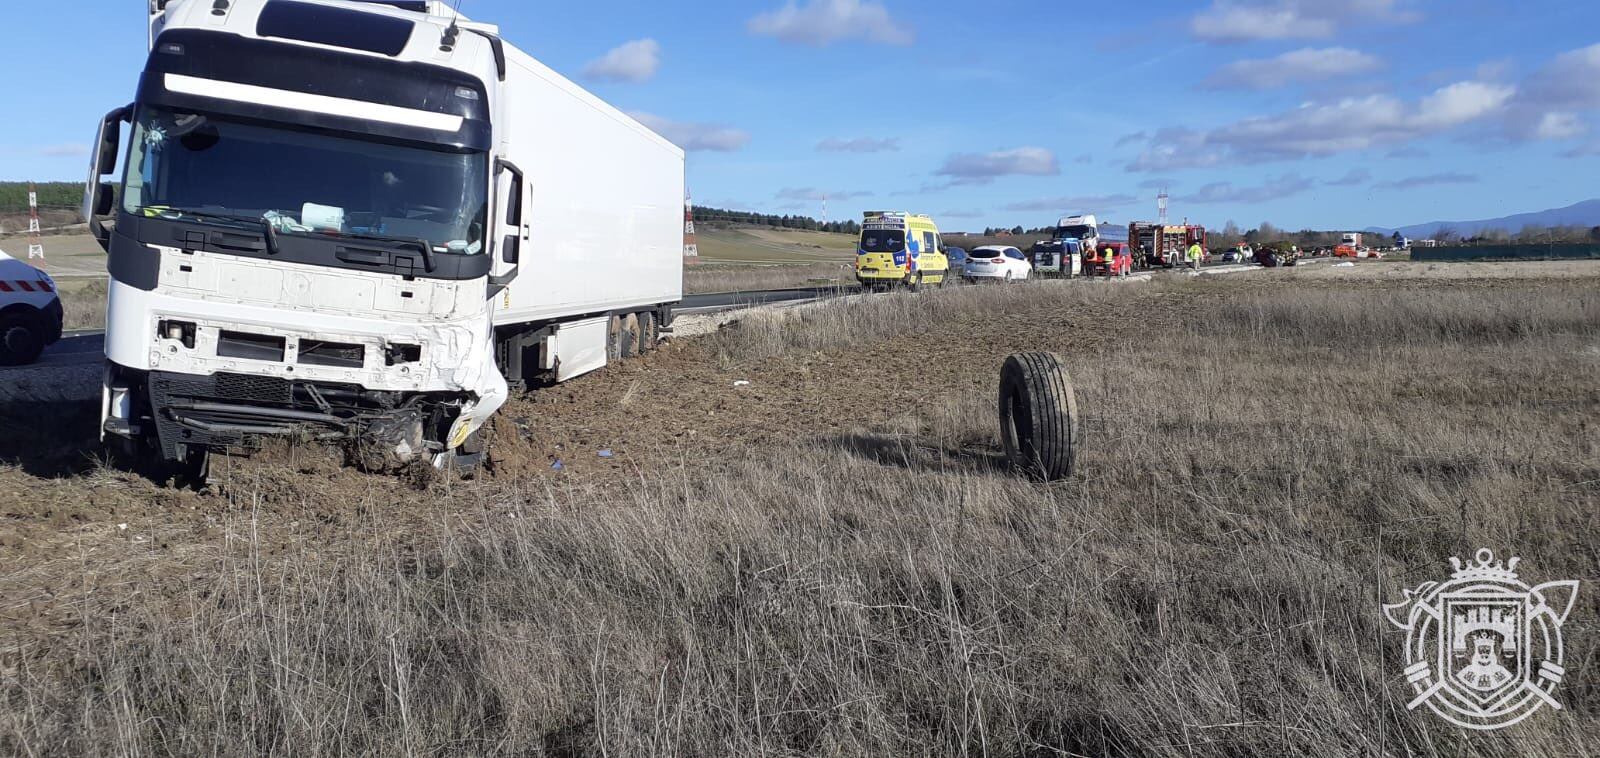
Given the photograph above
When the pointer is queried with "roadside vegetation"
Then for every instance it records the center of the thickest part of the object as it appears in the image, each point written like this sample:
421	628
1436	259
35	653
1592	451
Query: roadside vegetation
1267	463
712	277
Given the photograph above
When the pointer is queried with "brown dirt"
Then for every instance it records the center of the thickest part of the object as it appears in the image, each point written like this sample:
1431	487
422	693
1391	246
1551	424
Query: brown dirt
73	529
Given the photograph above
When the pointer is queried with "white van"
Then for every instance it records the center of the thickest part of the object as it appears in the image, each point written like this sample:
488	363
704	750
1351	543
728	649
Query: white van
30	312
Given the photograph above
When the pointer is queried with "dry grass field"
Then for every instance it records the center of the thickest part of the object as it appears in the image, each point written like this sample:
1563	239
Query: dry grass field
759	259
834	560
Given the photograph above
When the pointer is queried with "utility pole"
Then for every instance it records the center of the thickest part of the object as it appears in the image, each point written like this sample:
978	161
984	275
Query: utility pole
35	244
691	244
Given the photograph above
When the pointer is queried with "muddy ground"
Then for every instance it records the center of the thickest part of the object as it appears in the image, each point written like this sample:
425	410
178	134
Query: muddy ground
79	538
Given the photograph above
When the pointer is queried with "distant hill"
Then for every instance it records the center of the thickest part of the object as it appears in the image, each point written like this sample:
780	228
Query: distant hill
1586	213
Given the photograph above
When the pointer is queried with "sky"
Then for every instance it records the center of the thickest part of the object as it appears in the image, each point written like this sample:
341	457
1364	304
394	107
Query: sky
1327	114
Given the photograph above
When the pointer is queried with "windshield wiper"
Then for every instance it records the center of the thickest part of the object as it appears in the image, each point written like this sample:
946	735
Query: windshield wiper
417	242
270	232
198	214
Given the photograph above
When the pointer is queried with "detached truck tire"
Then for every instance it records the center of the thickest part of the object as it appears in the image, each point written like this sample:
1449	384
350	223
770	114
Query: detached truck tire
1039	416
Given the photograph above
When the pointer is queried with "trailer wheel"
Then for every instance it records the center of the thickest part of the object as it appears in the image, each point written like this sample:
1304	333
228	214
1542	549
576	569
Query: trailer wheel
614	339
631	336
1039	416
649	332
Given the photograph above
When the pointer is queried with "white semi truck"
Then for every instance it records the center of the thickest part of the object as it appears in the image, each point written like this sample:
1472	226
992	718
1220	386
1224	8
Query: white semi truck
365	221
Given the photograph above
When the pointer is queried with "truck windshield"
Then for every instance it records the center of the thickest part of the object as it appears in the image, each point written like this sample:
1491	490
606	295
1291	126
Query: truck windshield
882	241
1075	232
306	181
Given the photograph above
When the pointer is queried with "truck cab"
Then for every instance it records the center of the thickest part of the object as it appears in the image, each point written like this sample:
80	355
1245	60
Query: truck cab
322	218
898	248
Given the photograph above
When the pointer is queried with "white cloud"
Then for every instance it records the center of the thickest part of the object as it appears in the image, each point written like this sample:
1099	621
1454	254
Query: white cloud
811	194
1586	150
1305	65
1550	102
695	137
1560	126
982	168
1431	180
962	214
859	145
820	23
1247	20
1088	203
1321	129
634	62
1176	149
1405	153
1281	187
1356	177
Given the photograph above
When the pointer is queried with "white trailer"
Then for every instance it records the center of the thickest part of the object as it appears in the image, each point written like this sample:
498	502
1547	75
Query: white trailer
365	221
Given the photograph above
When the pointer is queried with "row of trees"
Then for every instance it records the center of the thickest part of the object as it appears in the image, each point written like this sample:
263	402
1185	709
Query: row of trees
722	218
1231	234
1532	234
14	195
995	231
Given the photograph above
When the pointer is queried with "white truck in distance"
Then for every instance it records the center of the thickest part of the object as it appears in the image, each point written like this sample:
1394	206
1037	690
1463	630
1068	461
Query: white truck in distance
1074	239
362	221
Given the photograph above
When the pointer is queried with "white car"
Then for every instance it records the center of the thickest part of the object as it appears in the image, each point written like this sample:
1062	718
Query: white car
997	262
30	312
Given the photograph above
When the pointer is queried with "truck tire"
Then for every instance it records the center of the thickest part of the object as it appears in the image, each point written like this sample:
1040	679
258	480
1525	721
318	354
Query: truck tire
1039	416
21	339
631	336
649	332
614	340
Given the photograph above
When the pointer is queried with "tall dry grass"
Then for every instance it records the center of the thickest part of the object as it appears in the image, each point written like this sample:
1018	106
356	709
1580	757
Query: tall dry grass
83	304
711	277
1211	585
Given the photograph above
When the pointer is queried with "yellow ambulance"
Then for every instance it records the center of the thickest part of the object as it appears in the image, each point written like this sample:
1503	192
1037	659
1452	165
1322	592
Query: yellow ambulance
900	249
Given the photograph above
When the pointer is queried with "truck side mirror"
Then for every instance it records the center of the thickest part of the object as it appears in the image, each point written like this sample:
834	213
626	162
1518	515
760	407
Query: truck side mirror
105	198
511	249
99	197
109	141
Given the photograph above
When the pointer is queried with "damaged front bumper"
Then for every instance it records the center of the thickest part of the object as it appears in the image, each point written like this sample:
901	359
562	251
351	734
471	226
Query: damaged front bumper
180	413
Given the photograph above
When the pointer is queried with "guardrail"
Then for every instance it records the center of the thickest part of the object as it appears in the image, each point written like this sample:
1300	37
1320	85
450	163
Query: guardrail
1547	252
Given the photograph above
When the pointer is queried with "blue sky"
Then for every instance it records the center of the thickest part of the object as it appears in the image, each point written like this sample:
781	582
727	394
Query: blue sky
1305	113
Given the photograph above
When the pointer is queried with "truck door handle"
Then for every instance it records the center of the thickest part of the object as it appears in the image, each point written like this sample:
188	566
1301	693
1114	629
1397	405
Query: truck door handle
358	255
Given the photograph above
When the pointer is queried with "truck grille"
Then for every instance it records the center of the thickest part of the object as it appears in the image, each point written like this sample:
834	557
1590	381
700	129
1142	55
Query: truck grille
332	354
